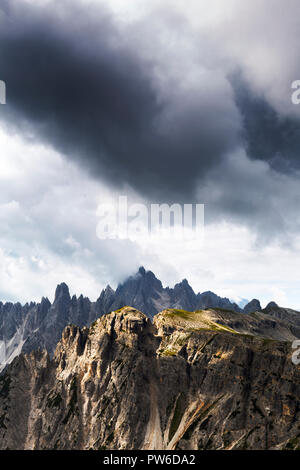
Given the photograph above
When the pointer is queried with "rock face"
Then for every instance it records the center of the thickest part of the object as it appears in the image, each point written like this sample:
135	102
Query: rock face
253	306
33	326
200	380
211	300
286	315
271	305
145	292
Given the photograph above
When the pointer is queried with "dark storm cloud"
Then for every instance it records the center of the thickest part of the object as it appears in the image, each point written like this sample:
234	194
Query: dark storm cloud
76	83
170	126
267	135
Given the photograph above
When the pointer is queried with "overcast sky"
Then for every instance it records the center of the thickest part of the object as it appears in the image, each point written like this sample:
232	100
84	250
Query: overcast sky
174	101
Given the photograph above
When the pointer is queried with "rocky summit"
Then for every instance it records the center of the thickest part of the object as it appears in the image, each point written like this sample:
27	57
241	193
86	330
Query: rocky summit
209	379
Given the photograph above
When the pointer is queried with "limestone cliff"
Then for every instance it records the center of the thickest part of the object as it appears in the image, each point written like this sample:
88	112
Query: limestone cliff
186	381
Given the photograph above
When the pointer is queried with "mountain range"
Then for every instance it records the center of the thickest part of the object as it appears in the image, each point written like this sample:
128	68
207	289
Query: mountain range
210	379
40	325
195	371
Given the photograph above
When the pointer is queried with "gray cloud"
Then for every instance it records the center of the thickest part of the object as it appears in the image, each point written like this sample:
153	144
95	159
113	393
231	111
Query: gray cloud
170	125
74	85
268	135
149	106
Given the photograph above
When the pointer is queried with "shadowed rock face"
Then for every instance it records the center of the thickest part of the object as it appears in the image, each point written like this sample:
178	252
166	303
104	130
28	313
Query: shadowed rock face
253	306
186	381
145	292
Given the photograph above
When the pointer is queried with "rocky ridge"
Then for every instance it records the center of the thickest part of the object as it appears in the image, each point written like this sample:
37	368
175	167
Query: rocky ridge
40	325
189	380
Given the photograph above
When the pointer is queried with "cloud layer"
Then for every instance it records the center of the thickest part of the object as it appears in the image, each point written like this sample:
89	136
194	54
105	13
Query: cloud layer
157	103
165	103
